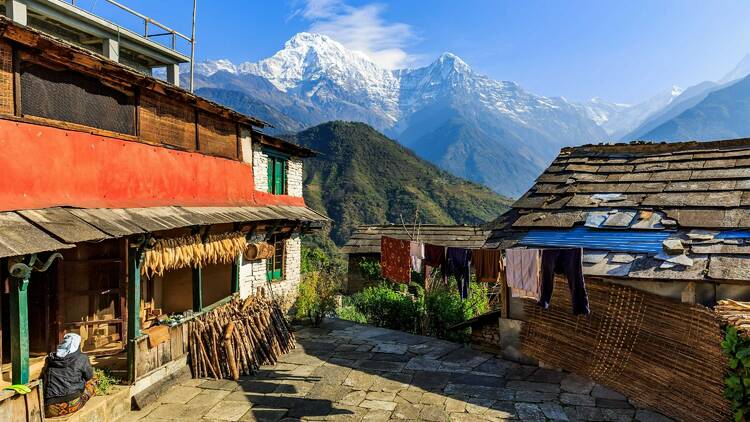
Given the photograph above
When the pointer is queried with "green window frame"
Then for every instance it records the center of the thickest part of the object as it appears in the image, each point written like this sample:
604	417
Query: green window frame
275	267
277	169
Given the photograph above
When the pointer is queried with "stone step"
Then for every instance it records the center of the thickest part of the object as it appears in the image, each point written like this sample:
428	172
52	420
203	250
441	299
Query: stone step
109	408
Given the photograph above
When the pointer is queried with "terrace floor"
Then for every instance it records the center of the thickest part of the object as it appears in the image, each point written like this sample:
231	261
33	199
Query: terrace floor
346	371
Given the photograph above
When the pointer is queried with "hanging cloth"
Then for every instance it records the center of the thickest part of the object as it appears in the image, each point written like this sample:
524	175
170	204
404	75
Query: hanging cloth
457	264
488	264
522	271
394	259
566	261
416	255
434	255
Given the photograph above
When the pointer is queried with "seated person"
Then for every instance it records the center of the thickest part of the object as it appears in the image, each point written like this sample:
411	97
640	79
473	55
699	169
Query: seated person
68	378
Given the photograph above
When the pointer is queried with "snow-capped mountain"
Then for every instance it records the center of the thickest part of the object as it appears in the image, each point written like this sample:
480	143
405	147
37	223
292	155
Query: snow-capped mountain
619	119
489	131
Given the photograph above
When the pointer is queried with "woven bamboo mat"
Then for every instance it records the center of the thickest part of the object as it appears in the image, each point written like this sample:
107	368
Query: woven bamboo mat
660	353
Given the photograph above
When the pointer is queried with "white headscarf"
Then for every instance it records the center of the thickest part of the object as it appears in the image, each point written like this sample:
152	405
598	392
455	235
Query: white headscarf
70	344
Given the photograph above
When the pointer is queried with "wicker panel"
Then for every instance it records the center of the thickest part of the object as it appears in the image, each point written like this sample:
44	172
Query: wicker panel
6	79
164	120
660	353
217	136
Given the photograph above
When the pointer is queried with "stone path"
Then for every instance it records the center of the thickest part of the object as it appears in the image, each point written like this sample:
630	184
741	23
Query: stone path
345	371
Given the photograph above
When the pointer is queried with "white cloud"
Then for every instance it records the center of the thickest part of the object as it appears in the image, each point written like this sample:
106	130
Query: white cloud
361	29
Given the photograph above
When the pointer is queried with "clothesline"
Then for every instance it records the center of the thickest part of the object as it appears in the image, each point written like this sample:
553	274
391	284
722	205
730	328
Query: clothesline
528	272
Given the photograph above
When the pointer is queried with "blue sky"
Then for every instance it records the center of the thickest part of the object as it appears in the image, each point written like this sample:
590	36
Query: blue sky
622	51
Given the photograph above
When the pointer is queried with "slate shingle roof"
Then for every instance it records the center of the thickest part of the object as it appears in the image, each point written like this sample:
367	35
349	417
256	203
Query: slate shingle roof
366	239
675	188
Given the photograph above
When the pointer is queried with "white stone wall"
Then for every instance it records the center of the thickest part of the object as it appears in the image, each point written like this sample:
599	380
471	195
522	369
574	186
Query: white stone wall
253	275
260	169
260	172
294	177
246	145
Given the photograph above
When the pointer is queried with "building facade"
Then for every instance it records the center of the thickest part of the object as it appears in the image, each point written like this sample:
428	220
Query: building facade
128	204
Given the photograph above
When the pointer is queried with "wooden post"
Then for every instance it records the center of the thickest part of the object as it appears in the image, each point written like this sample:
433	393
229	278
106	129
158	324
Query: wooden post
135	258
197	289
19	329
236	274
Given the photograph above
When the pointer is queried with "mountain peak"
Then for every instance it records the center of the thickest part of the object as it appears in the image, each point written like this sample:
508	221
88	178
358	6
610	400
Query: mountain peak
451	60
311	39
740	71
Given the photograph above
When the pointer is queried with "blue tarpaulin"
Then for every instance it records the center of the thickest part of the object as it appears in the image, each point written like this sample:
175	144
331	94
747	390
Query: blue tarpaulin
643	241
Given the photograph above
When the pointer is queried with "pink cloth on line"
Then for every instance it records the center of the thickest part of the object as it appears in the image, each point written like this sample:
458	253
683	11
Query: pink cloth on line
522	271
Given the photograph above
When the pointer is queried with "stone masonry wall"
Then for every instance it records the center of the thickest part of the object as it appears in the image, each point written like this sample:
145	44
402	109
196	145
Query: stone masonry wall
294	177
253	275
486	335
260	169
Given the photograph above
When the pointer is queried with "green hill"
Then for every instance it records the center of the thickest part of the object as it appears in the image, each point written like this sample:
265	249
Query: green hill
362	177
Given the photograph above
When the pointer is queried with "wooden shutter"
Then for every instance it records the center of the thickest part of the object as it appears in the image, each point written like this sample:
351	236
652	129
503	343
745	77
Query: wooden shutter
270	174
278	177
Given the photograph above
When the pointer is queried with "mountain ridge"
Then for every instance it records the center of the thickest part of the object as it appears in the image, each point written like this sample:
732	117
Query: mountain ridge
362	177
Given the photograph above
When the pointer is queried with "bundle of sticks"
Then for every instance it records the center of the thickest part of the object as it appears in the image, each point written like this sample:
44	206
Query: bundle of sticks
237	338
735	313
192	251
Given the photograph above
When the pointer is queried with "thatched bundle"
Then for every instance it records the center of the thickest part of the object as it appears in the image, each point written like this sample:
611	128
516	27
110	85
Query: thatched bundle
191	251
660	353
735	313
237	338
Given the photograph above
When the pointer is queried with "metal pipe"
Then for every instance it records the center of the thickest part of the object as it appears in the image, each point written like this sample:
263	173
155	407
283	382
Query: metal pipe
192	49
148	20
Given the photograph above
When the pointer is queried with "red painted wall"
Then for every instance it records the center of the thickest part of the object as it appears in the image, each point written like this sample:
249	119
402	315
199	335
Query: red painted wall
43	167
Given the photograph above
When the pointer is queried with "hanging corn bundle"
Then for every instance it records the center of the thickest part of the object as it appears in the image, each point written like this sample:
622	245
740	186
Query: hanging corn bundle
735	313
191	251
237	338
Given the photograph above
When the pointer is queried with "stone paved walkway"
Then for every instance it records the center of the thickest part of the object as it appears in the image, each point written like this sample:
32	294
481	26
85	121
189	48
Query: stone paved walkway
345	371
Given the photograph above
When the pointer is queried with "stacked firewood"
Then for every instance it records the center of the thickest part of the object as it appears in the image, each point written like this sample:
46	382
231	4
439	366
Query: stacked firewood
237	338
735	313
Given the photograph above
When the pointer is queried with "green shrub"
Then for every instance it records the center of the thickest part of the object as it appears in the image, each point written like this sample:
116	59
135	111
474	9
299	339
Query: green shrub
350	313
317	293
444	308
104	381
737	350
385	307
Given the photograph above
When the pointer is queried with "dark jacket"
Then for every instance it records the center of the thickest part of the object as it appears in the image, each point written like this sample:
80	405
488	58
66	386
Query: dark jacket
65	378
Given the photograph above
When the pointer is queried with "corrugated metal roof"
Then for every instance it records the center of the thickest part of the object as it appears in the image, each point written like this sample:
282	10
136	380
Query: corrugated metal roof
20	237
33	231
587	238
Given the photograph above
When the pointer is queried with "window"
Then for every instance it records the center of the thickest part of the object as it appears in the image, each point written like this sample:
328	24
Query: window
277	175
72	97
275	265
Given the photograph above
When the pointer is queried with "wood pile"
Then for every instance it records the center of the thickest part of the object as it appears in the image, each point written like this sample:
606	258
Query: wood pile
237	338
191	251
735	313
660	353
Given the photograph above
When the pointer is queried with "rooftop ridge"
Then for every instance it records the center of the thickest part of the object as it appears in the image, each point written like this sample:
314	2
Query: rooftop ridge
648	147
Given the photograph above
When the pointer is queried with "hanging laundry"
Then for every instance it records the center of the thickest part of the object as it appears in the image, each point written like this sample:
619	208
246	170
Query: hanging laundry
457	262
488	264
434	255
522	272
394	259
416	255
567	261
